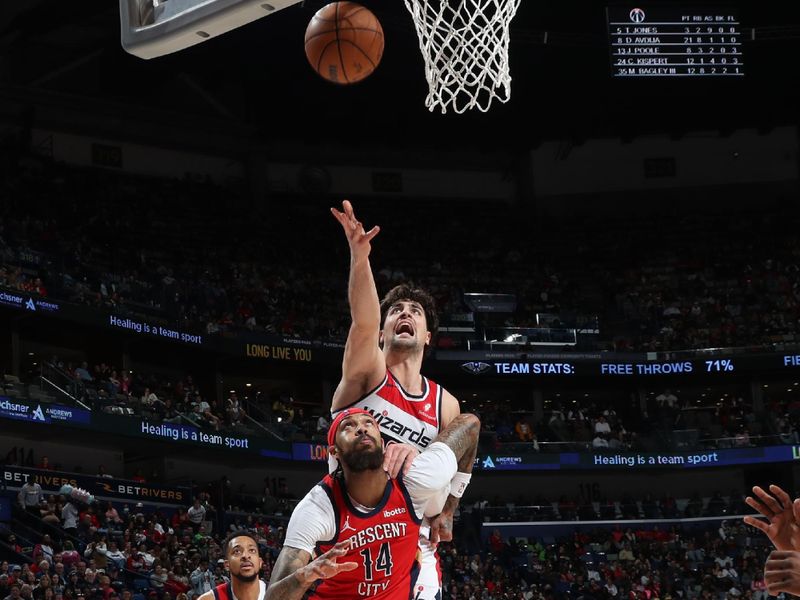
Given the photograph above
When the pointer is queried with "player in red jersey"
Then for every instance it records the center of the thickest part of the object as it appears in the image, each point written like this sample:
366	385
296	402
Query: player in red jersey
364	517
244	564
381	372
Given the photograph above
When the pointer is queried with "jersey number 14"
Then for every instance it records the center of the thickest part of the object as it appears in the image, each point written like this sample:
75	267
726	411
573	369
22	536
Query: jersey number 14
382	563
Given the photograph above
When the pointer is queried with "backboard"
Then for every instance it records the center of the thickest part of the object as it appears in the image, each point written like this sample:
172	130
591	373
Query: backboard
152	28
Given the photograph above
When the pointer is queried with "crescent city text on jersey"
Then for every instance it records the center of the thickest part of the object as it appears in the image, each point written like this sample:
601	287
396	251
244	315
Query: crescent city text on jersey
377	533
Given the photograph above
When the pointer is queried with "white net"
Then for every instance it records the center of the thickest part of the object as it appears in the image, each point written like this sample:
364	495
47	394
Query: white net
465	47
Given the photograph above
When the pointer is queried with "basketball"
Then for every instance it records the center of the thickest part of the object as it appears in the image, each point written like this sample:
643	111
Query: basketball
344	42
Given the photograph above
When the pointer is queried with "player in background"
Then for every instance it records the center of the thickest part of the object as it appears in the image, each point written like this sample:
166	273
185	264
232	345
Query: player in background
381	373
244	564
369	520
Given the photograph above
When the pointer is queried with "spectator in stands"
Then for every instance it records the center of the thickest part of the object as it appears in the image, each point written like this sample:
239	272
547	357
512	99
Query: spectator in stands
202	412
69	556
82	373
149	399
112	516
523	430
30	497
196	514
202	578
69	517
322	425
13	593
234	409
602	427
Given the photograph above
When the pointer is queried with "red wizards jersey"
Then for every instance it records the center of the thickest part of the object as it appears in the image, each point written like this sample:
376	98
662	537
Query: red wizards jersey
383	542
404	417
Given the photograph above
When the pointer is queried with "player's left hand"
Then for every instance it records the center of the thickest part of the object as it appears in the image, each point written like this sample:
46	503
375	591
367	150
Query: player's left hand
398	456
782	572
442	528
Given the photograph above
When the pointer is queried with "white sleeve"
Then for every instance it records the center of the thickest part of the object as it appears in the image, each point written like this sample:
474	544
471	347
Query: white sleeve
428	481
312	521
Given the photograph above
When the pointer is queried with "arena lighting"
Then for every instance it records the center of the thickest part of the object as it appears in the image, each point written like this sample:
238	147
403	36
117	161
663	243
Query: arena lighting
248	384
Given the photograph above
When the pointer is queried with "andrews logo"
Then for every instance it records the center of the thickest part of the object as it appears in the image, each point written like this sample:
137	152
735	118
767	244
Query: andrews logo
487	463
29	305
38	415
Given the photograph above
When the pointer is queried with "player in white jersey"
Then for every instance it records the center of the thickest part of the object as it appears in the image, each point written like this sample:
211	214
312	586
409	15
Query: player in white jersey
381	374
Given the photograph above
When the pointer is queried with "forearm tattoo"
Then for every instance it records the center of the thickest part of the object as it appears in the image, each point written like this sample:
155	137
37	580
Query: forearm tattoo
283	585
461	435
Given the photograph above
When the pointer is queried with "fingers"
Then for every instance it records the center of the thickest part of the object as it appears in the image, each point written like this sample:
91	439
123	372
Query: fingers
796	510
339	549
781	495
767	499
781	555
409	462
348	566
779	580
434	537
394	458
757	523
757	506
445	535
348	208
372	233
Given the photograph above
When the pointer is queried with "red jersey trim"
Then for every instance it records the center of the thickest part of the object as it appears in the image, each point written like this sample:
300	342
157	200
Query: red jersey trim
223	591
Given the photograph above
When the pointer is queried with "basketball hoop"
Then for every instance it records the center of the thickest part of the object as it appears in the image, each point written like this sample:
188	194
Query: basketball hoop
465	47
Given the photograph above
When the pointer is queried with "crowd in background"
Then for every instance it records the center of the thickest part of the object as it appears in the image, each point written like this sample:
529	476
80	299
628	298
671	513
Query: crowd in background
181	256
131	551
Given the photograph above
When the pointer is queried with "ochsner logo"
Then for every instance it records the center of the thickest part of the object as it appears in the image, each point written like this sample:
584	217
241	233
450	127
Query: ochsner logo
12	407
394	513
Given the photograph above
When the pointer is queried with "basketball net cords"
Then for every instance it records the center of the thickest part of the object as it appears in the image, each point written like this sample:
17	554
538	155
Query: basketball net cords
466	61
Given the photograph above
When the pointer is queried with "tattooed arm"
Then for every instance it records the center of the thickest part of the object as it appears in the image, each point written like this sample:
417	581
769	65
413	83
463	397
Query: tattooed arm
453	451
293	574
461	436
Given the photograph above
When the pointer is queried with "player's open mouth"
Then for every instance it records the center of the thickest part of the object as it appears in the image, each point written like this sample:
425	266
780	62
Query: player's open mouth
404	327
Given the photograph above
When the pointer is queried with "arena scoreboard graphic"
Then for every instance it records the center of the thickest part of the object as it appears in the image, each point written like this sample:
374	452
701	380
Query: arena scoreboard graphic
674	41
492	365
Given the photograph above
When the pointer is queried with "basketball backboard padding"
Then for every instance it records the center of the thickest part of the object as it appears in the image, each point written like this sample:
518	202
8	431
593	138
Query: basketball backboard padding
152	28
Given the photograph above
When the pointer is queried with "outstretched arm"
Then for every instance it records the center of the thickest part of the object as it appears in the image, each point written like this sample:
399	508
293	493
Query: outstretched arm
363	365
294	574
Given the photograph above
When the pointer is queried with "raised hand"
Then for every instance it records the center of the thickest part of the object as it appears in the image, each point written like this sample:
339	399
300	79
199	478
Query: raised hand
358	238
781	526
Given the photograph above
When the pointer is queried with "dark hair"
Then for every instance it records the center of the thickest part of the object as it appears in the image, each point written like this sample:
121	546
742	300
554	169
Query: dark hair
407	291
226	545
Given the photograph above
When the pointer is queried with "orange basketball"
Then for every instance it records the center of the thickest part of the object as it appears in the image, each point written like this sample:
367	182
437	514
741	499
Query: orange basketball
344	42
